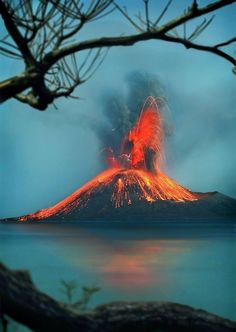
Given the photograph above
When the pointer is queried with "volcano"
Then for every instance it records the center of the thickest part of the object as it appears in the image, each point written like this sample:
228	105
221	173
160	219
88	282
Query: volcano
135	185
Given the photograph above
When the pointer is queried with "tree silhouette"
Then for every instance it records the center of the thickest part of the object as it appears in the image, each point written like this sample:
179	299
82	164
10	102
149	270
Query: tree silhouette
46	37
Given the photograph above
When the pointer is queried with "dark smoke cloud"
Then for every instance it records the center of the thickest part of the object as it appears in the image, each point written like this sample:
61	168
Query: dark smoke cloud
121	110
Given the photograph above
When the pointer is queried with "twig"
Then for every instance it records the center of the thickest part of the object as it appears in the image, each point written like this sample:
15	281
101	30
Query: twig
230	41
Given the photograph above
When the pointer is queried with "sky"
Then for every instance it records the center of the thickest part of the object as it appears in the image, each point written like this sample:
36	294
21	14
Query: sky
45	156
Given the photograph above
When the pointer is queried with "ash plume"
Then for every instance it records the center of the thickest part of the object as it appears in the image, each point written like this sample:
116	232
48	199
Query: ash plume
121	110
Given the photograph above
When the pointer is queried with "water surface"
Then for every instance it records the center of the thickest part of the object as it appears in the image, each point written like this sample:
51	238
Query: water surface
194	265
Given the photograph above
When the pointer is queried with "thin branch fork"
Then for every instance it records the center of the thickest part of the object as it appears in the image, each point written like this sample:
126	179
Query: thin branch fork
188	44
226	43
193	12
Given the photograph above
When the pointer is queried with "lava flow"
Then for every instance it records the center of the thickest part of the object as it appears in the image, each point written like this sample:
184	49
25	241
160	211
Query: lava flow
135	175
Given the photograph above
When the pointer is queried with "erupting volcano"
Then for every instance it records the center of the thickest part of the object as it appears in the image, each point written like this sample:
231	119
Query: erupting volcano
135	185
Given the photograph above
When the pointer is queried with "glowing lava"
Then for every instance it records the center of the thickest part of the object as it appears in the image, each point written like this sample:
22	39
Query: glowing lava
136	174
142	147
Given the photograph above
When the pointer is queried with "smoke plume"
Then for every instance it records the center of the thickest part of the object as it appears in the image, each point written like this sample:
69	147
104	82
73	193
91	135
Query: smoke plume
121	110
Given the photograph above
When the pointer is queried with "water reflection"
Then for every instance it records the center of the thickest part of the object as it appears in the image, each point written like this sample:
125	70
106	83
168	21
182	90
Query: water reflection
126	264
191	265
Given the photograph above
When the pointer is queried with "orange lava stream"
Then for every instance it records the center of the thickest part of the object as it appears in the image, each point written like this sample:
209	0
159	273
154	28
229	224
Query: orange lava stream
135	174
146	186
80	196
127	184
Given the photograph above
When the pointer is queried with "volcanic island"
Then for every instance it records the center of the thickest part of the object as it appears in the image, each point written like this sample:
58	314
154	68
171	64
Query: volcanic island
135	186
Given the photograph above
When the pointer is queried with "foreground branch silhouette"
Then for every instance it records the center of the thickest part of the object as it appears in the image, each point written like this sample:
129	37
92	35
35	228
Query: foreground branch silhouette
47	39
23	302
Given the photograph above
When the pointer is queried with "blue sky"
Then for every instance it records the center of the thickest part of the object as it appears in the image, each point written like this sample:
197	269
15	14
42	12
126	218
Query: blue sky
46	155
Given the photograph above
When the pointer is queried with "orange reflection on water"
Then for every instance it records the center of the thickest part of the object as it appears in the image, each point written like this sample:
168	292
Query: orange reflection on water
132	268
127	264
127	260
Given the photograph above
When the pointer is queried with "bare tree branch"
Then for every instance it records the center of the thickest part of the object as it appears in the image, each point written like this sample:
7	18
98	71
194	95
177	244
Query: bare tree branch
193	12
230	41
211	49
155	24
200	28
132	39
126	15
42	36
6	14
